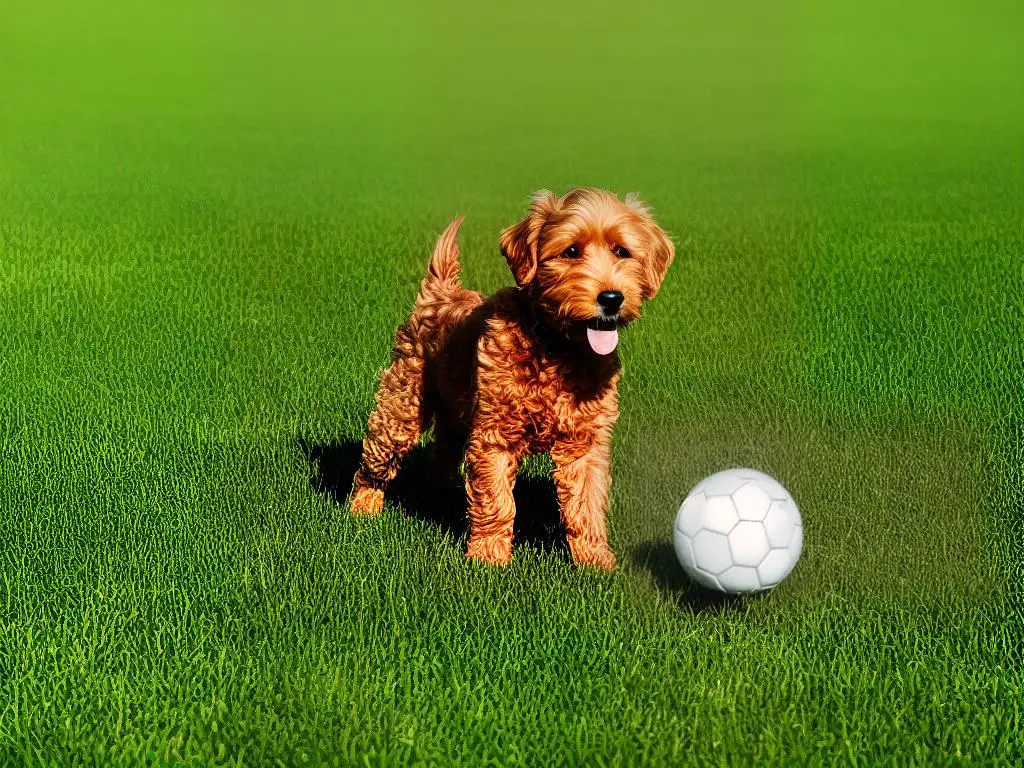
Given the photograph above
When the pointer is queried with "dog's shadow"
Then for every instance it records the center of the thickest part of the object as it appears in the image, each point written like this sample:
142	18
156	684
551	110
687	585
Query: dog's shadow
418	492
420	495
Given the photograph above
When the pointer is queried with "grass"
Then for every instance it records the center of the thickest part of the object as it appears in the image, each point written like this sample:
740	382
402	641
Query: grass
212	219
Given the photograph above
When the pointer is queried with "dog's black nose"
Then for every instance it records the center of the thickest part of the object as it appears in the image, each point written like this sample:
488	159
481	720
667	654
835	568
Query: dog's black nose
610	301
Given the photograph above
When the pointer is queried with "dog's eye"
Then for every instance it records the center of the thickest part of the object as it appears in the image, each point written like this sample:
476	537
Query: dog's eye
572	252
621	252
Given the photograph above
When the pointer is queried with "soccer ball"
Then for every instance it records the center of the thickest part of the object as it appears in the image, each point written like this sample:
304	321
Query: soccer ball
738	530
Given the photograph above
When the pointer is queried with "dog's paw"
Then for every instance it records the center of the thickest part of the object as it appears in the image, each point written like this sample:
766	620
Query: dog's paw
494	550
597	557
366	502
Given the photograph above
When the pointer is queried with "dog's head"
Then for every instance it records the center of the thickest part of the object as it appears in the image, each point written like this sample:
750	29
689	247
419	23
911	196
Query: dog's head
589	260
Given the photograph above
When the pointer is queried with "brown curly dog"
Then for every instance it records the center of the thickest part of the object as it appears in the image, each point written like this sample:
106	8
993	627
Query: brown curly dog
529	369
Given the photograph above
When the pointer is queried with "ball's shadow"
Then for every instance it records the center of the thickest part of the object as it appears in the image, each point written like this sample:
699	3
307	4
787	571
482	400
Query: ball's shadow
659	559
420	494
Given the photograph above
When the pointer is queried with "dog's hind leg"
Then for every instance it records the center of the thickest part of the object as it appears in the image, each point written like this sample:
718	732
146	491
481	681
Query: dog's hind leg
395	425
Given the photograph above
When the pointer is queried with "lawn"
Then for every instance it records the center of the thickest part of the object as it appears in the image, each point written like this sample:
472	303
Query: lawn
212	218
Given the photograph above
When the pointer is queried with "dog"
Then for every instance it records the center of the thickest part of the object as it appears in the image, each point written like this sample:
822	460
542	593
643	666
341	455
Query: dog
530	369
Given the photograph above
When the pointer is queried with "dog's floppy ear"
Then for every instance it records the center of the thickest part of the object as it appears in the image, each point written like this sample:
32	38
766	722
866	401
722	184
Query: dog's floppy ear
520	243
660	250
660	256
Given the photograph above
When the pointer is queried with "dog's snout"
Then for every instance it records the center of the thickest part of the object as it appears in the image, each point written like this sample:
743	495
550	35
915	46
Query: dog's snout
610	301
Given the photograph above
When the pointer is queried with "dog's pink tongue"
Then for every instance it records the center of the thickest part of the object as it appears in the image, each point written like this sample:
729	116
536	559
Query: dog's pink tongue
603	342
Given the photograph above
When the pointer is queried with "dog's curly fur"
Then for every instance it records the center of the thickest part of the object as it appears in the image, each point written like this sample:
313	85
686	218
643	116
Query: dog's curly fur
512	375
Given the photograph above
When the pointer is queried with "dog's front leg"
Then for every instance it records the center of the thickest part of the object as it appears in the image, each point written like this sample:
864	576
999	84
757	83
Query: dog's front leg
490	477
583	479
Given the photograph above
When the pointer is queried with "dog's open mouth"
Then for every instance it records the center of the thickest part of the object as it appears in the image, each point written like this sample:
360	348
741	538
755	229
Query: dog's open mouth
603	335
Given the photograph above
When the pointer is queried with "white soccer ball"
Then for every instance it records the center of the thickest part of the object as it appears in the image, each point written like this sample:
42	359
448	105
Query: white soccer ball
738	530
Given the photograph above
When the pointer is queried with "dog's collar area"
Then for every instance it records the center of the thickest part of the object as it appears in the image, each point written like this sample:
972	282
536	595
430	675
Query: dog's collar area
548	334
540	328
563	347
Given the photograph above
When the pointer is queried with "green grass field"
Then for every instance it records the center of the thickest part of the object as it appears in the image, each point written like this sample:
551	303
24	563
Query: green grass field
212	219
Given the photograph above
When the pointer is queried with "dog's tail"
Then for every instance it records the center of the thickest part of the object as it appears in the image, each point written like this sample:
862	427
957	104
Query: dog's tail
443	272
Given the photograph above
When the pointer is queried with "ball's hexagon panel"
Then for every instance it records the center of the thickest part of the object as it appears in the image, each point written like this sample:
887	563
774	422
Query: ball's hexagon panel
739	578
778	524
691	514
705	579
796	546
775	489
751	501
748	543
722	483
684	549
720	514
775	567
711	551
